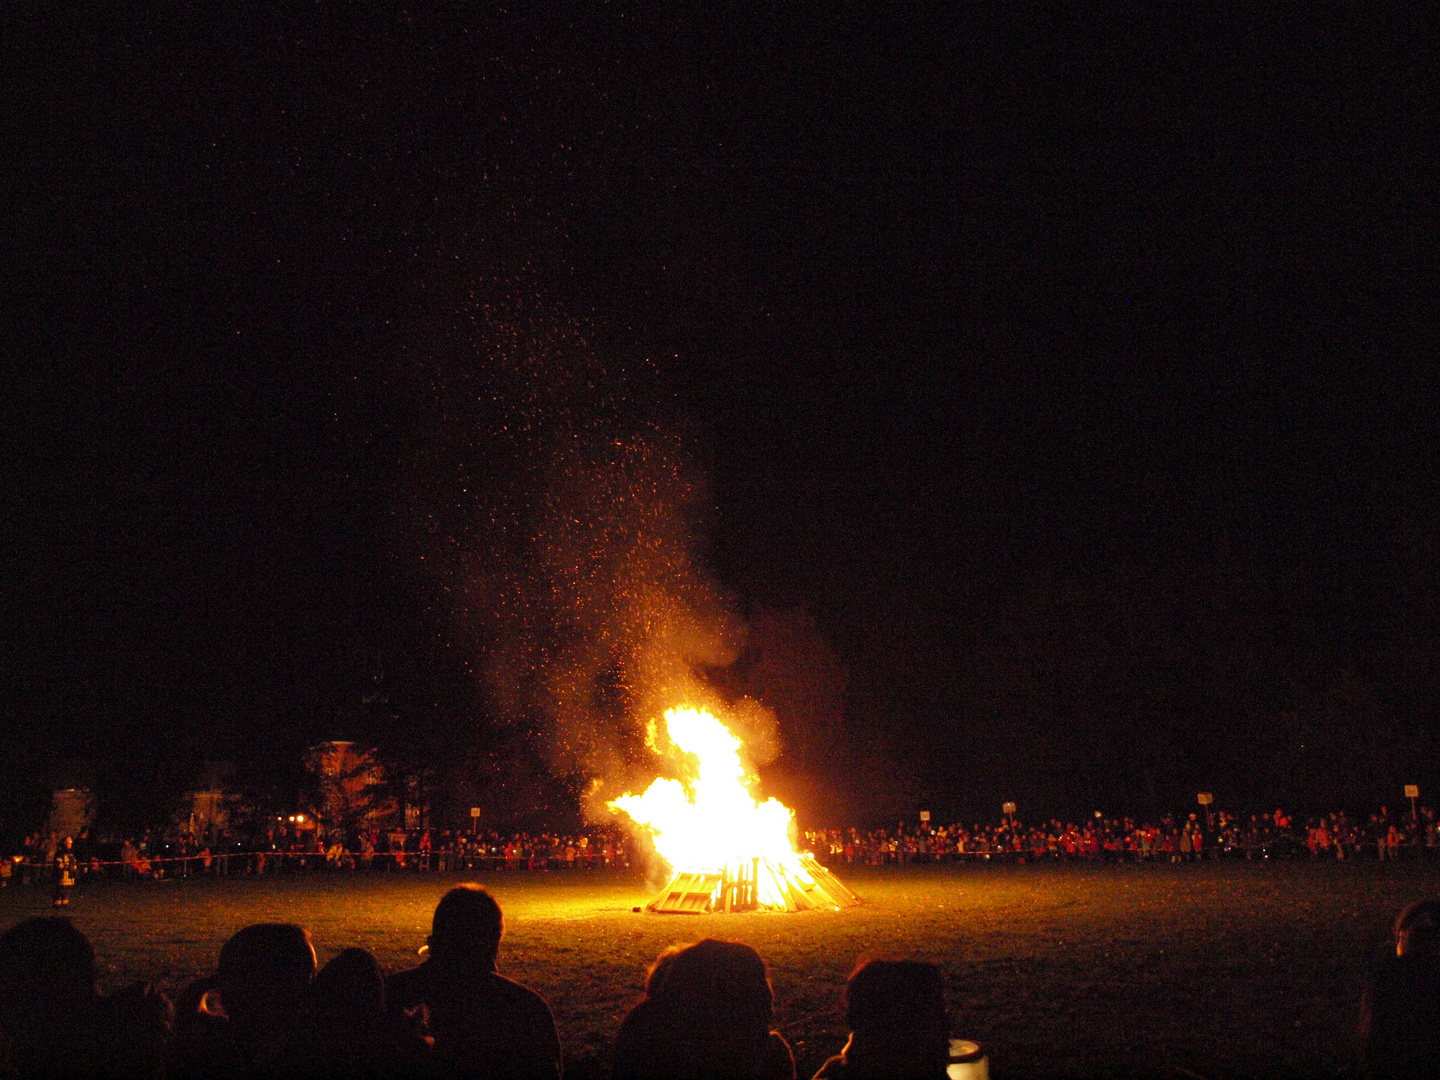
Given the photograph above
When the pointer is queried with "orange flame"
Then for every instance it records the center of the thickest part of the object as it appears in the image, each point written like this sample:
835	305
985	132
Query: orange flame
712	824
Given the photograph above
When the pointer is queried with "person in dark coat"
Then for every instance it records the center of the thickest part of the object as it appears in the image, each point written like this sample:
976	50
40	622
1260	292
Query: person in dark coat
1400	1012
482	1023
895	1010
706	1015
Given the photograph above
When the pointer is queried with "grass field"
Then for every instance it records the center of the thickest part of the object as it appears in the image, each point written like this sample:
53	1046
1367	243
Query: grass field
1223	970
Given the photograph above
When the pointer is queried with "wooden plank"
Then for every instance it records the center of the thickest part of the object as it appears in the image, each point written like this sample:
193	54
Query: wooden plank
686	894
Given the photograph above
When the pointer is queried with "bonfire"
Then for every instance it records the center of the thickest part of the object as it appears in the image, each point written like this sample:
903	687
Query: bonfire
726	850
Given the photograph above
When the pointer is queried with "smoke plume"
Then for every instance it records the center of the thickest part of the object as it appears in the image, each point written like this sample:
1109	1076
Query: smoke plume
591	605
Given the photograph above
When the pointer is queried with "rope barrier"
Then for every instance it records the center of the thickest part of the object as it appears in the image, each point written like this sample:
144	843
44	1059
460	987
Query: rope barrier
401	858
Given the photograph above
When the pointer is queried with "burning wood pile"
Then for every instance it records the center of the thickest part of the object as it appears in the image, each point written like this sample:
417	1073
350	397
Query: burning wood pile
694	893
727	852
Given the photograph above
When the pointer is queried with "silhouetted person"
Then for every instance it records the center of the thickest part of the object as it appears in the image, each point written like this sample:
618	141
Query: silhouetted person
351	1034
49	1010
252	1016
1400	1013
53	1022
482	1023
895	1010
706	1015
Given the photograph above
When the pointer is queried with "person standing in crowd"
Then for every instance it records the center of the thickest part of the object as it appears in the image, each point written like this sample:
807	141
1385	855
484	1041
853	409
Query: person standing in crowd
482	1023
65	868
129	856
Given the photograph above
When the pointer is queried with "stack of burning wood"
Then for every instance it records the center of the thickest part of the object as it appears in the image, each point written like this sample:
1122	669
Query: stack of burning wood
759	885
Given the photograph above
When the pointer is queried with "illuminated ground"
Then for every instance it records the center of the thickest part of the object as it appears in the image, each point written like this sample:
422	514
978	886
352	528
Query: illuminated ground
1223	970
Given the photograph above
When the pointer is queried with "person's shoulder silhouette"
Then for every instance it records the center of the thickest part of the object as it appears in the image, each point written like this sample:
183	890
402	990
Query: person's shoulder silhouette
482	1023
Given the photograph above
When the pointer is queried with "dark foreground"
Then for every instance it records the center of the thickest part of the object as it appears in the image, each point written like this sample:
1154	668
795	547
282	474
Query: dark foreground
1221	970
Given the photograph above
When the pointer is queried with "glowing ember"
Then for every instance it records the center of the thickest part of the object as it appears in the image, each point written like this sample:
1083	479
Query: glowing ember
720	842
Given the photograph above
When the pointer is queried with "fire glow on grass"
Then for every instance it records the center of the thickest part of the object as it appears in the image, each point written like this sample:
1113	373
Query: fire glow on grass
718	840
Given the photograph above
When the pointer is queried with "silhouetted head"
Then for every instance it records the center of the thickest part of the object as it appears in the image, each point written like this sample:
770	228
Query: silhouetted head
895	1010
1417	930
348	995
706	1013
46	952
655	977
724	979
467	925
264	973
48	1001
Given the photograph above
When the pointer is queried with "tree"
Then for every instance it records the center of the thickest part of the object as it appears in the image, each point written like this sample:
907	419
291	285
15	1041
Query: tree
352	789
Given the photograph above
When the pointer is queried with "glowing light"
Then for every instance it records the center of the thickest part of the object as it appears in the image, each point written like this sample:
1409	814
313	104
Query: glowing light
711	823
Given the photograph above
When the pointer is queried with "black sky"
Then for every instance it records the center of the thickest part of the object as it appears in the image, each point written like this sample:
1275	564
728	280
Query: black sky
1075	371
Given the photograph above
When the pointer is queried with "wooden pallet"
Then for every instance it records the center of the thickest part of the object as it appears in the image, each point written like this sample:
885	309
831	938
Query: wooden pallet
694	894
687	894
836	891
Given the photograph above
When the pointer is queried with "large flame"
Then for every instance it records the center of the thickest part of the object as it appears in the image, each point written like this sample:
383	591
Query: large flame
711	823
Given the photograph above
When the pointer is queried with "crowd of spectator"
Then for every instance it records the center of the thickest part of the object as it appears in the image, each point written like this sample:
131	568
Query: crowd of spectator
1222	835
707	1012
291	846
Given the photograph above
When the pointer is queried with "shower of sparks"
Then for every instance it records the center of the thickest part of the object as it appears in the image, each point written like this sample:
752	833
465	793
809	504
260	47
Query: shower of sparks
580	574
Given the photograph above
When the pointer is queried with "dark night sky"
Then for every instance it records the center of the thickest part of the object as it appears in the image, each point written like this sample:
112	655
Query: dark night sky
1074	371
